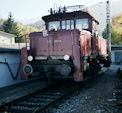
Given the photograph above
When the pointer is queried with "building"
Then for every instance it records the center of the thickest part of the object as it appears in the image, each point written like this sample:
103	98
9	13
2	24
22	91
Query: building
7	38
116	53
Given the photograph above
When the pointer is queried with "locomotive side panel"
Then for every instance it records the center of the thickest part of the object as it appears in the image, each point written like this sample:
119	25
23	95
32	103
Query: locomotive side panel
102	44
85	43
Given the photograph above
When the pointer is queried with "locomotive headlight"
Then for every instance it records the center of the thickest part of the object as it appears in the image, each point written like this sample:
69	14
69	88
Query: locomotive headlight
30	58
66	57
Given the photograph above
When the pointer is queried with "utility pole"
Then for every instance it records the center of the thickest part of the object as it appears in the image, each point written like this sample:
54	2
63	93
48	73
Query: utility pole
108	27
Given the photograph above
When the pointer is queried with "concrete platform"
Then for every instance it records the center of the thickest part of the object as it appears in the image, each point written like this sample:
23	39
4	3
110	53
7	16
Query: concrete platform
10	93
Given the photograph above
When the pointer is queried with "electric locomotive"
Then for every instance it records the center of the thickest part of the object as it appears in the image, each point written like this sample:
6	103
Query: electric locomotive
69	47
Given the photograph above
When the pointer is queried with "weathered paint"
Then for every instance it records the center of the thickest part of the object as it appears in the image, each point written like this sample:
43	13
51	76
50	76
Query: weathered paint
59	43
85	43
56	43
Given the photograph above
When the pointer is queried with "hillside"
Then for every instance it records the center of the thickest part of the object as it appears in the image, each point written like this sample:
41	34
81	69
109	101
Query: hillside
26	29
39	24
99	12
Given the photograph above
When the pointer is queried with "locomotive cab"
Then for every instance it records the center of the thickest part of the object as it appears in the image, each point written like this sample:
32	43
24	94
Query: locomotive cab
67	46
70	18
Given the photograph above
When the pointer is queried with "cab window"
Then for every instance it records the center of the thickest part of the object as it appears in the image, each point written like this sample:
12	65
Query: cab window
82	24
72	24
63	24
67	24
54	24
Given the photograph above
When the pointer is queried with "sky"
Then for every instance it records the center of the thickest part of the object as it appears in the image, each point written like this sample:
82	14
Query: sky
26	10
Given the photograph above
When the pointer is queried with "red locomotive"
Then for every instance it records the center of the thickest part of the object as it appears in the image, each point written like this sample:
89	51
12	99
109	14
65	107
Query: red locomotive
69	47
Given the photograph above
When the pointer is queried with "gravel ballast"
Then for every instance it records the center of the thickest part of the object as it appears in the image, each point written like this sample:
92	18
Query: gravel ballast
97	96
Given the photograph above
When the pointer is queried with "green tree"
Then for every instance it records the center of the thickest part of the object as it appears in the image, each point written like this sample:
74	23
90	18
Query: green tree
116	38
1	23
10	26
116	31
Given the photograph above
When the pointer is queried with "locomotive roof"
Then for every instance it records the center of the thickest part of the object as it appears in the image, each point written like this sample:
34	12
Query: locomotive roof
58	16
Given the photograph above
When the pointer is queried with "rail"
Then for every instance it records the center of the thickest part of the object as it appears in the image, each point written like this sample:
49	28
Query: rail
37	101
41	100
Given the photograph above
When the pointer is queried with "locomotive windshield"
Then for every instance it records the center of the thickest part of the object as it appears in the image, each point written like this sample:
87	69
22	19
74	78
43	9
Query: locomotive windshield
69	24
65	24
82	24
55	24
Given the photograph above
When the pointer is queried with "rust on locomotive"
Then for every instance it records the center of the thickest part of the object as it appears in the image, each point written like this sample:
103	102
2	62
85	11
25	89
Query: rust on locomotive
69	48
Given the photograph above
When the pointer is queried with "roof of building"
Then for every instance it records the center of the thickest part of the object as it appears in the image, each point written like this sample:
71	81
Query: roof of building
7	34
116	47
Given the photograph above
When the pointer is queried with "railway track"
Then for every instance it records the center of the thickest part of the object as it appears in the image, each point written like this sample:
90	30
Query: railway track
42	99
38	101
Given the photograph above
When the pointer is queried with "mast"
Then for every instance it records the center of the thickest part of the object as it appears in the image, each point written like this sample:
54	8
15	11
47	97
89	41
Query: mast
108	27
